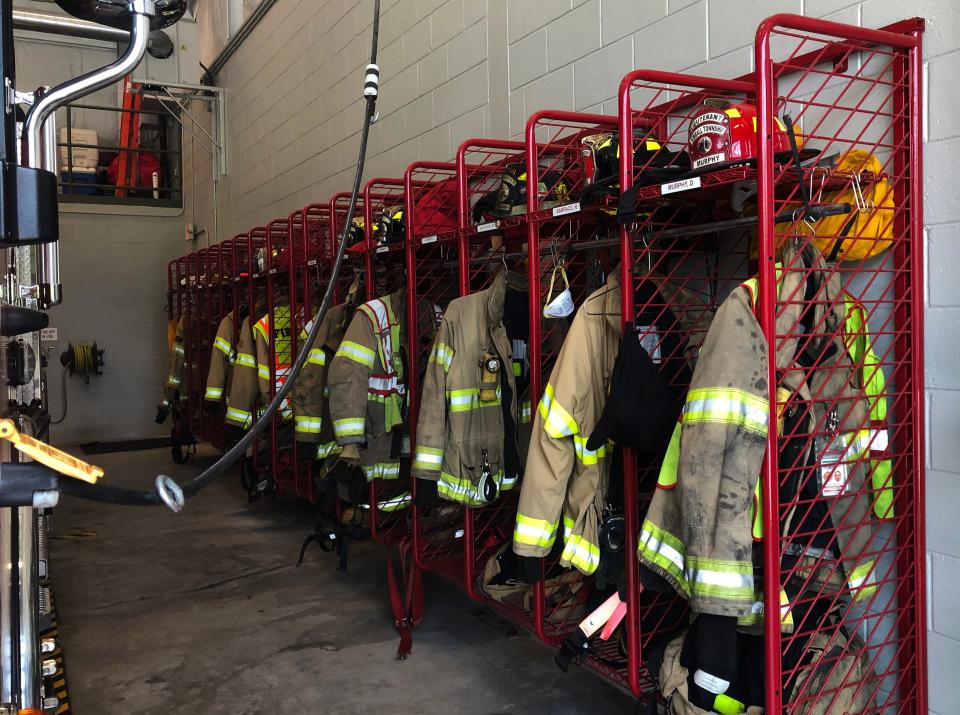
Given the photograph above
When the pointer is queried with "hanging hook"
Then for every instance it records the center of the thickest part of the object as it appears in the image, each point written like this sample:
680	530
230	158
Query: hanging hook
646	252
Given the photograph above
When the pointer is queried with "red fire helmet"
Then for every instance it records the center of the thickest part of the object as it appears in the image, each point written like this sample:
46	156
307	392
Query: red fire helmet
723	134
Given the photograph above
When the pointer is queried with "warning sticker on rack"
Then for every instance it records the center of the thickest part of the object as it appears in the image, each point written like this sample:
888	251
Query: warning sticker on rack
567	209
48	334
383	249
312	263
489	226
684	185
428	239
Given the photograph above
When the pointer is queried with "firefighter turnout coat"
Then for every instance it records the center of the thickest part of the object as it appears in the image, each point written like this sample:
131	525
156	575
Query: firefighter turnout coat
310	394
367	391
222	359
464	429
244	387
173	385
704	517
562	478
274	362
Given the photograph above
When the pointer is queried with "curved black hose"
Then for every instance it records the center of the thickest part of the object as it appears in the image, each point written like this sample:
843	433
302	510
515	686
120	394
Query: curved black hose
131	497
108	494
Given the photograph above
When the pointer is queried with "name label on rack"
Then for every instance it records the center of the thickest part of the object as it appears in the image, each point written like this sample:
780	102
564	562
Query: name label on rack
273	271
489	226
383	249
312	263
566	209
684	185
428	239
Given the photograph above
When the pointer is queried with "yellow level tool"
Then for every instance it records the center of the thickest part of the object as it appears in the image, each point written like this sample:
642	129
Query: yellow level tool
55	459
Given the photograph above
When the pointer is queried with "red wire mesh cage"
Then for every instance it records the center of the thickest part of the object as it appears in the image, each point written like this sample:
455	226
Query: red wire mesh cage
310	232
276	330
353	262
383	252
842	485
432	232
566	220
214	299
260	480
490	240
855	542
676	279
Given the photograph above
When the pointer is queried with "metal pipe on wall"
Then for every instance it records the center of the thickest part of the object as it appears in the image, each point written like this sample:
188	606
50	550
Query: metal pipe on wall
159	45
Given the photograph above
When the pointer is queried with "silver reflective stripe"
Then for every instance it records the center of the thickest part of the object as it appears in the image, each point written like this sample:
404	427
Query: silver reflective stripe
648	542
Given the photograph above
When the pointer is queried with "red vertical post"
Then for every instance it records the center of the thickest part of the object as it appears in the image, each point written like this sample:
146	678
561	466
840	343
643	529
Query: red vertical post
766	90
533	348
413	355
627	310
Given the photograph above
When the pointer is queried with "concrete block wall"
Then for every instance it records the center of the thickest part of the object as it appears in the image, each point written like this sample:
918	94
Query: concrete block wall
455	68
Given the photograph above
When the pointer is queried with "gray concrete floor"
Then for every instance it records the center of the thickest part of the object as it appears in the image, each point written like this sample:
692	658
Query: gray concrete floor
205	612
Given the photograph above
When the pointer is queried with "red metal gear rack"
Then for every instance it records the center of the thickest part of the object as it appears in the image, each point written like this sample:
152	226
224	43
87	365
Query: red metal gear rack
353	262
838	104
480	165
310	230
432	230
387	527
278	261
261	453
658	105
851	87
205	424
565	232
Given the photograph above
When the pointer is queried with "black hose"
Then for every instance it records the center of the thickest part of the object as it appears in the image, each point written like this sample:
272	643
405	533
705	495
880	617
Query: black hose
131	497
108	494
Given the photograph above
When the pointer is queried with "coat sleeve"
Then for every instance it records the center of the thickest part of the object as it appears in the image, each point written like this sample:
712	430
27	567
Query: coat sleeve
349	378
173	385
558	454
221	357
723	438
432	417
243	387
308	392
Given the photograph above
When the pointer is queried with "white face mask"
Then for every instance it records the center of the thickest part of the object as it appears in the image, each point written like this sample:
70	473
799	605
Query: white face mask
561	305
